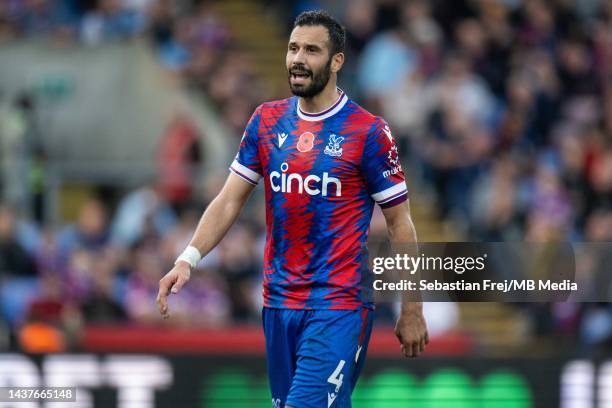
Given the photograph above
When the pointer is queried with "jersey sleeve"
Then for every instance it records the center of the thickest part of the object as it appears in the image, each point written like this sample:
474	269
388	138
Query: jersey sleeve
247	165
382	169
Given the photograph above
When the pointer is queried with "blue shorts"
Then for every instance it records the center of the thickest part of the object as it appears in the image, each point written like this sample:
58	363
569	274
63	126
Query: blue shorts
315	356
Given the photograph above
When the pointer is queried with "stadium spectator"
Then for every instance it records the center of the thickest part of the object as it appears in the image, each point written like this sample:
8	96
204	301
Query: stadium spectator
142	211
145	267
237	267
386	60
111	20
89	232
179	156
14	259
53	323
496	206
101	306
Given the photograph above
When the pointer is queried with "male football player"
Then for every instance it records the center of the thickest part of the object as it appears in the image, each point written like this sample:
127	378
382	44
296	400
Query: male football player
324	162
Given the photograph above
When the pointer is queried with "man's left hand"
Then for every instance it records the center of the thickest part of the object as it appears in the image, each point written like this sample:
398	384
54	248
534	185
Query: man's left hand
411	330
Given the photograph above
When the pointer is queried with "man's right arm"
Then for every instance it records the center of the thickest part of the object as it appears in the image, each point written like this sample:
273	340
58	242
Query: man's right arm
214	224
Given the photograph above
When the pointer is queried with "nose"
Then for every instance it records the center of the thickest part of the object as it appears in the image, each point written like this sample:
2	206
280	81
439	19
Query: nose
298	57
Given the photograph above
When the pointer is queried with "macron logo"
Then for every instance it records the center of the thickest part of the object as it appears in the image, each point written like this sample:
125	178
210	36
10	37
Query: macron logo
281	139
331	398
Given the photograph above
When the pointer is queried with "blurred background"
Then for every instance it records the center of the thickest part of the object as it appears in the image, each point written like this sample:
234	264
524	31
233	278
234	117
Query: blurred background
118	119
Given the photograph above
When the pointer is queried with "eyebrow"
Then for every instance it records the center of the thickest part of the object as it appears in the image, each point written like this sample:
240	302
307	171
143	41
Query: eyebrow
315	46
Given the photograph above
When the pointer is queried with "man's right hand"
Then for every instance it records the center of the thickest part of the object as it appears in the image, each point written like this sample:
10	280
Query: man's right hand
173	281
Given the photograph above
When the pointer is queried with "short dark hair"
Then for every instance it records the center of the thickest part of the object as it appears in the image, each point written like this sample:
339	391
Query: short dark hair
337	33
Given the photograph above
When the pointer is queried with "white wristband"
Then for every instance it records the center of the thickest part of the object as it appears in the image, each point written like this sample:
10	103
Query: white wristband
191	255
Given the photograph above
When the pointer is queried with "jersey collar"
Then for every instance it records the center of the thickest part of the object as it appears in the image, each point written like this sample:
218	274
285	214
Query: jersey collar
329	112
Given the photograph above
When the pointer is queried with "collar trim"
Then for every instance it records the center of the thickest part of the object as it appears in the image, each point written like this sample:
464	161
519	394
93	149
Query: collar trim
329	112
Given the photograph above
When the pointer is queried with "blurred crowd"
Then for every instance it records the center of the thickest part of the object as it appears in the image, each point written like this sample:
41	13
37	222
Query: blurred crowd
502	110
105	266
188	37
105	269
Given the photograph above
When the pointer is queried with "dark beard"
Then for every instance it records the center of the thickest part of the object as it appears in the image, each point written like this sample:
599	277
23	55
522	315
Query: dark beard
318	82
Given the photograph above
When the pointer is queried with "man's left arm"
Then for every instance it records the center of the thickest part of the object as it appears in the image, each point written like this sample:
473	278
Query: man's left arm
411	328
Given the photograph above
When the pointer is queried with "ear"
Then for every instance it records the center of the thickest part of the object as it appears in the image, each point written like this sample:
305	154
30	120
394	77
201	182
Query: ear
337	62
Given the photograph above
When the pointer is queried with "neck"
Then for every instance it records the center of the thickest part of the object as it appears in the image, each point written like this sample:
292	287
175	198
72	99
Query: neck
322	100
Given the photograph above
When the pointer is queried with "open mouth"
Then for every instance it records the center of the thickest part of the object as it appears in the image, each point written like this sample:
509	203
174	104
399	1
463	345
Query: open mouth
299	76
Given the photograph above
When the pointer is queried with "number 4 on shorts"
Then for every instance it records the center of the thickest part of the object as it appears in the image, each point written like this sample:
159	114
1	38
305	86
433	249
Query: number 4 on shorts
336	377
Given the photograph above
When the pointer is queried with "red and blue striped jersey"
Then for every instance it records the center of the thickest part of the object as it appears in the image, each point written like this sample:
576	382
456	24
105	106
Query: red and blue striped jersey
322	175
